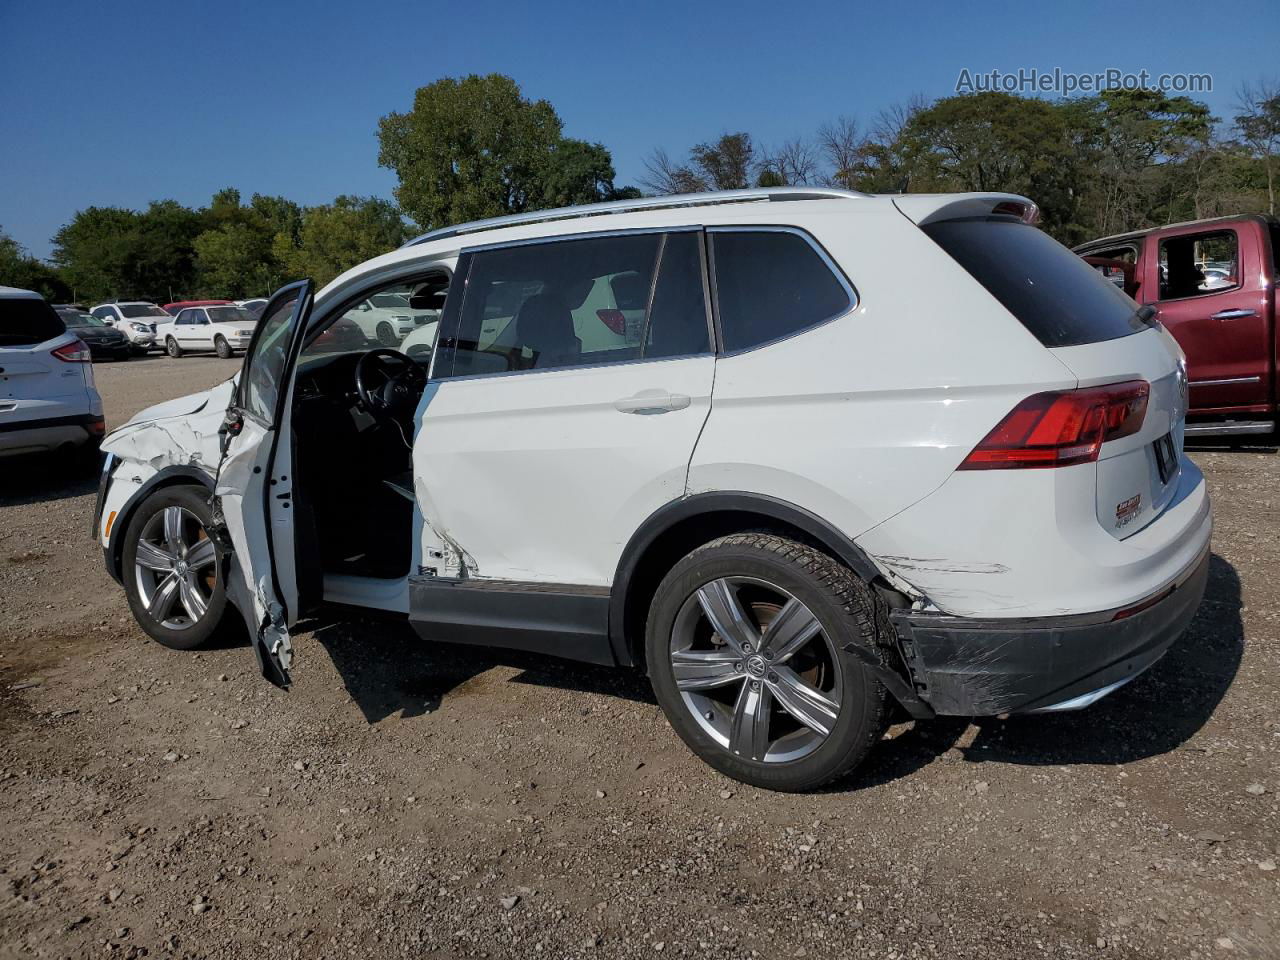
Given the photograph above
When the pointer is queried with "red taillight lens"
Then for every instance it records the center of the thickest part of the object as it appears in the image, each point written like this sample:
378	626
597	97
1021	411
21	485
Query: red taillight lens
614	320
73	352
1061	428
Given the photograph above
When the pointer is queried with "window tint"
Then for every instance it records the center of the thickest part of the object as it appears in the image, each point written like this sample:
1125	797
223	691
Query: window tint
678	317
231	315
771	284
1058	297
266	360
572	302
133	310
27	321
1199	263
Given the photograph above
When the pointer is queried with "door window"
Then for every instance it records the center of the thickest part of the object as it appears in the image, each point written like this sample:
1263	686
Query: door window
570	303
771	284
183	318
1196	264
265	362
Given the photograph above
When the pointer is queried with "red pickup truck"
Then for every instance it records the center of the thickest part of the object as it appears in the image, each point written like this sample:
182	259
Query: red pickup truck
1212	283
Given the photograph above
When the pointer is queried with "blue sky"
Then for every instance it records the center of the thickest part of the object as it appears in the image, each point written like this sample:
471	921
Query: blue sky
121	103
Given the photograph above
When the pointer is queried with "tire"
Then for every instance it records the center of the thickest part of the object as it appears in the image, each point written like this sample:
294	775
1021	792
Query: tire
171	347
386	335
222	348
179	627
763	573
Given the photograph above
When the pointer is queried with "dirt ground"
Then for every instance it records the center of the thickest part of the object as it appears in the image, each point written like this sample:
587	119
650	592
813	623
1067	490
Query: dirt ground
406	799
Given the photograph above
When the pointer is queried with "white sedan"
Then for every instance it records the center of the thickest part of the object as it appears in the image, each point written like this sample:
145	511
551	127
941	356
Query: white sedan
222	329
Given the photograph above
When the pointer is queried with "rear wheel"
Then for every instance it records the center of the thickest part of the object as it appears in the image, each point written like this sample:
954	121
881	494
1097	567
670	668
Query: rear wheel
222	348
748	647
171	569
171	347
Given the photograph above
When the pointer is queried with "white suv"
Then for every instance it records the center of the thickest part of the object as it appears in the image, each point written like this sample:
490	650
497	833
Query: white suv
136	319
48	401
850	452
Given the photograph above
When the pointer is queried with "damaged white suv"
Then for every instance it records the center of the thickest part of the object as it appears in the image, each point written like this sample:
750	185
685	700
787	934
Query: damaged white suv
800	455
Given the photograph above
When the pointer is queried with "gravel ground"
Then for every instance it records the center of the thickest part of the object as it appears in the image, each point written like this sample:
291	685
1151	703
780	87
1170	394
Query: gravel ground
406	799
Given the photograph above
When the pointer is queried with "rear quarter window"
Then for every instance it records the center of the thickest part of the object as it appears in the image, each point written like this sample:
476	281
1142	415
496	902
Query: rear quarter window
1058	297
770	285
25	322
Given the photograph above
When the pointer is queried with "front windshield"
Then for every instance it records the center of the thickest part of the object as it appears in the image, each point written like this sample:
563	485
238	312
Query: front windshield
231	315
133	310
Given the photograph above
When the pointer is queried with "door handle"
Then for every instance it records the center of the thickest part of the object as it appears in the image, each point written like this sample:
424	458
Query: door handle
1233	314
652	401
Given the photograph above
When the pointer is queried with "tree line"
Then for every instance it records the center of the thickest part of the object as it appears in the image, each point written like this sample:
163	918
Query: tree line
1097	165
475	147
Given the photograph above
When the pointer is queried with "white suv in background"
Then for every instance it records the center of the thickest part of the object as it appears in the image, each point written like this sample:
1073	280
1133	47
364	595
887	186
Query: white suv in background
222	329
841	452
136	319
47	398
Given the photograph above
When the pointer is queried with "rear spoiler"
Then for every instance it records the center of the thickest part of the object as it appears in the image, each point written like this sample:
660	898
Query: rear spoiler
922	208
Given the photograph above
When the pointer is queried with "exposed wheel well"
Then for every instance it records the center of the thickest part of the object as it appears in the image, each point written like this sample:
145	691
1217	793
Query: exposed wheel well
681	538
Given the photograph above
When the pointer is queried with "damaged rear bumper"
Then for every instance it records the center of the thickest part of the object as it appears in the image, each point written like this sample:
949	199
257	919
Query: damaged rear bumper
964	666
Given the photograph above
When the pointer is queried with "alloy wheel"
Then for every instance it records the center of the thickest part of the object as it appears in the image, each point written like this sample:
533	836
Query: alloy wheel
176	568
756	669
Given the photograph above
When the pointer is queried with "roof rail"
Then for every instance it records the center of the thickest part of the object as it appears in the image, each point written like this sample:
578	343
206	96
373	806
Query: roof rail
645	203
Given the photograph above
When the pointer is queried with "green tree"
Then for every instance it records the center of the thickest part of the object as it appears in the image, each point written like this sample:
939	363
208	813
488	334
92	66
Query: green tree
337	236
235	256
109	252
20	269
475	147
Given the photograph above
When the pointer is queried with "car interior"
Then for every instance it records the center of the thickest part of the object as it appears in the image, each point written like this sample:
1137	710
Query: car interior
353	410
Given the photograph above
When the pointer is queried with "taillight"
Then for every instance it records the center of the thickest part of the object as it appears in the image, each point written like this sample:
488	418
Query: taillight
1064	427
73	352
614	320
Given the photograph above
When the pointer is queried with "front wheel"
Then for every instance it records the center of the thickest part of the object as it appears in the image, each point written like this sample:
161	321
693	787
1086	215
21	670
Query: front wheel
171	347
171	569
387	335
749	646
222	348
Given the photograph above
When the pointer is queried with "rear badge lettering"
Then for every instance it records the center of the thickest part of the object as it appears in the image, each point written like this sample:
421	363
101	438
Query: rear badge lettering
1126	510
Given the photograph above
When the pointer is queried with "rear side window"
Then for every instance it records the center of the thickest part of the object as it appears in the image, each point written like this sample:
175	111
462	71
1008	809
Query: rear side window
25	322
1058	297
771	284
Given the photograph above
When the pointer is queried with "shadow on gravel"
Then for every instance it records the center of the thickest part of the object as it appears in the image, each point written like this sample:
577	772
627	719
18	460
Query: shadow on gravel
1154	714
389	670
38	478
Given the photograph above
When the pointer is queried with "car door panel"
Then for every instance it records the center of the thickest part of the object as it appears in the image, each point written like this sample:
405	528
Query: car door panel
540	477
254	487
1225	334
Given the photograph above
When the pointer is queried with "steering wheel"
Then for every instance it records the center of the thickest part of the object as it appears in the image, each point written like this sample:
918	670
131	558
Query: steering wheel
388	383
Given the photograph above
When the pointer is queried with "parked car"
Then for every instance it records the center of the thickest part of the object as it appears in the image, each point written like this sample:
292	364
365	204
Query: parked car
222	329
103	341
136	319
48	401
385	318
1211	284
173	308
889	450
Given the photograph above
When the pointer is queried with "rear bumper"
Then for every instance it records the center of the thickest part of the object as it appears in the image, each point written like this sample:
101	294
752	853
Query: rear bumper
52	433
966	666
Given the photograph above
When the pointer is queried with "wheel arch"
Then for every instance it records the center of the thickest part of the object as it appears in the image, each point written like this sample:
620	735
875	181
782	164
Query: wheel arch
172	476
682	525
